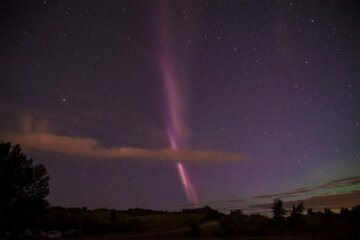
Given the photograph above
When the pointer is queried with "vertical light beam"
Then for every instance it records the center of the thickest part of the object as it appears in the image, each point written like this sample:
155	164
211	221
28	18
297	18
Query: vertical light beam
174	122
189	190
174	108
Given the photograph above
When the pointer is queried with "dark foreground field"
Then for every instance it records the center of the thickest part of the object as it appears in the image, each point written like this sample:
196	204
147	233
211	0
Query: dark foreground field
201	223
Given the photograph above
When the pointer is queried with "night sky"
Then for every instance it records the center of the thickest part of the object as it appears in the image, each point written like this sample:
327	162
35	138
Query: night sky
174	104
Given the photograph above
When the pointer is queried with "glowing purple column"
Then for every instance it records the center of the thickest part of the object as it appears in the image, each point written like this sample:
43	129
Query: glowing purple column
174	123
174	108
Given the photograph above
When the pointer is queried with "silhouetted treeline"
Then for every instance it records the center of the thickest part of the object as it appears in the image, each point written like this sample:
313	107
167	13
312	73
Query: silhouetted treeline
135	212
293	222
208	212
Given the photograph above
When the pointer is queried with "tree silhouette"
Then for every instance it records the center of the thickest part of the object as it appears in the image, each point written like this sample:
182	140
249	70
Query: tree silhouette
310	211
23	188
328	212
236	212
298	210
278	210
344	211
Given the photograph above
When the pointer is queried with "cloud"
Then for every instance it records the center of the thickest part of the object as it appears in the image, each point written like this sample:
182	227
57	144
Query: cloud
341	182
88	147
35	136
285	194
191	205
240	200
334	184
334	201
344	192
